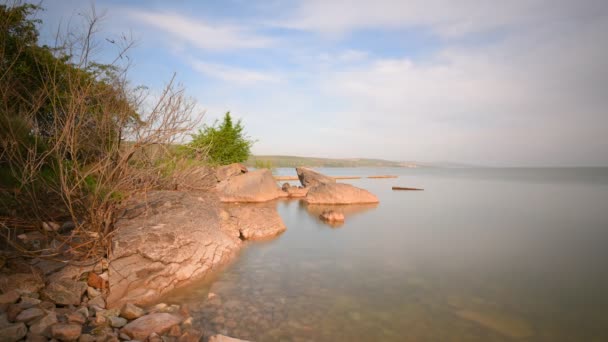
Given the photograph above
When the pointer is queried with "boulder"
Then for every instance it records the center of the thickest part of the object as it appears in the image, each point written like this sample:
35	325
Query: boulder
65	292
131	311
164	241
339	193
66	332
310	178
252	221
9	297
12	332
144	326
21	283
228	171
195	178
254	186
332	216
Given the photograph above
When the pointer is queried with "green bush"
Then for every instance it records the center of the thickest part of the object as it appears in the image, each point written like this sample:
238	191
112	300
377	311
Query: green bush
221	143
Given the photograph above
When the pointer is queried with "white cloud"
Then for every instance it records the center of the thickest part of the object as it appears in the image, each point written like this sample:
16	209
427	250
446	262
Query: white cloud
201	34
445	17
231	74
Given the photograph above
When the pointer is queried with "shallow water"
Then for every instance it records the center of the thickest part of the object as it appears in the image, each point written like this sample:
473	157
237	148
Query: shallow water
480	255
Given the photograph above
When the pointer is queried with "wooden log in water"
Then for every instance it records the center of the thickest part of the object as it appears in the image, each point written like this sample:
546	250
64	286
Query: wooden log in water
405	188
383	176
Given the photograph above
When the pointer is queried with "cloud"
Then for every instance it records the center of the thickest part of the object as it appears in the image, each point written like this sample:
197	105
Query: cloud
444	17
234	75
202	34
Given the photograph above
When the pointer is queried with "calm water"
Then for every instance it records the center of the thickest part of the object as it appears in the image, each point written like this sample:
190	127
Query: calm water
480	255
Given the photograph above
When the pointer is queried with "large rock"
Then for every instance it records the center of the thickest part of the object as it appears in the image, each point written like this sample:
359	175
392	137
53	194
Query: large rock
339	193
228	171
166	241
195	178
65	292
254	186
310	178
66	332
158	323
12	332
252	221
21	283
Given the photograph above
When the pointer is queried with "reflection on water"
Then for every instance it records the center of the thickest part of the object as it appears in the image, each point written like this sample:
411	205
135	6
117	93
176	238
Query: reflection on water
480	255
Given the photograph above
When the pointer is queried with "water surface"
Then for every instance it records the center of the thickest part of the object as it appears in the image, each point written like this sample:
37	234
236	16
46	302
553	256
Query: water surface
480	255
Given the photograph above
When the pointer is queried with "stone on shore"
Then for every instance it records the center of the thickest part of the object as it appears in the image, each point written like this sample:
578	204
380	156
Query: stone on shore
9	297
174	240
21	283
144	326
41	326
65	292
66	332
310	178
12	332
131	311
339	193
254	186
29	315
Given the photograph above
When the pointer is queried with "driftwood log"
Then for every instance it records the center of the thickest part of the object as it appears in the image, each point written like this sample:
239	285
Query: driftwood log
404	188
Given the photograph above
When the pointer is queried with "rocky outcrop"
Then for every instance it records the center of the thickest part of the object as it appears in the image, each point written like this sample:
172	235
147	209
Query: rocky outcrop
339	193
252	221
225	172
310	178
167	240
254	186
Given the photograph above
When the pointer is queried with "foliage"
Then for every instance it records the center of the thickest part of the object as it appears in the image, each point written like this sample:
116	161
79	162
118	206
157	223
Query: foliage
64	122
223	143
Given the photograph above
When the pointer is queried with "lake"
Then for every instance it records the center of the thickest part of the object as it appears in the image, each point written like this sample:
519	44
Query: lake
479	255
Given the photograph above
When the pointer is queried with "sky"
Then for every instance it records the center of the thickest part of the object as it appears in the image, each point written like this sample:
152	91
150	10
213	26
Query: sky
496	83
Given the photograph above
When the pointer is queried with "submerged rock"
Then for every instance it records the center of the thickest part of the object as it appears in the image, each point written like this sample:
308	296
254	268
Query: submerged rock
144	326
332	216
311	178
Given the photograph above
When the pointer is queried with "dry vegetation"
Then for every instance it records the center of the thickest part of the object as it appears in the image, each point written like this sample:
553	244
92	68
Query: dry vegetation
65	121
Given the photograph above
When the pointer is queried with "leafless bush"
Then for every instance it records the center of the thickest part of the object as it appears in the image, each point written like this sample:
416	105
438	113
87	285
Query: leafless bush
101	141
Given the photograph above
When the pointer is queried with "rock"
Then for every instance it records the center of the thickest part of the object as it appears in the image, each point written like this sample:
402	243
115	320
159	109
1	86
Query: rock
332	216
154	337
253	221
310	178
175	331
86	338
97	301
178	241
228	171
83	311
94	280
13	311
33	241
339	193
117	322
21	283
35	338
12	332
191	335
66	332
131	312
224	338
285	186
144	326
28	302
296	192
92	292
65	292
187	323
50	226
46	305
255	186
9	297
29	315
48	266
41	326
76	317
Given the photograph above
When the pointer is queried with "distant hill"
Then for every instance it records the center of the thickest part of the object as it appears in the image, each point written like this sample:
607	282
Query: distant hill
293	161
